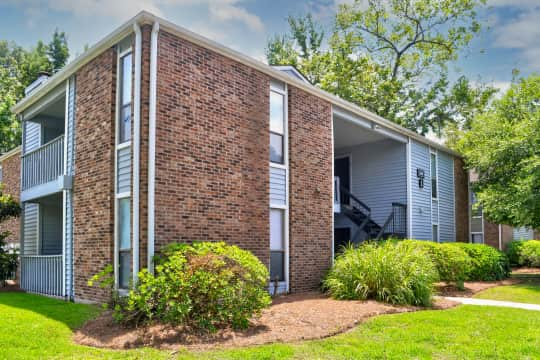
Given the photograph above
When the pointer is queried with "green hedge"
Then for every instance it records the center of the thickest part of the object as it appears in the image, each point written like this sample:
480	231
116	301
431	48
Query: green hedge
524	253
487	263
203	285
384	272
452	263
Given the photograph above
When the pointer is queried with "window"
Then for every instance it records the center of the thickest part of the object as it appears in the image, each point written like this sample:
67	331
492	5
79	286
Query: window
277	127
435	233
124	242
477	221
0	173
125	99
433	175
277	245
477	238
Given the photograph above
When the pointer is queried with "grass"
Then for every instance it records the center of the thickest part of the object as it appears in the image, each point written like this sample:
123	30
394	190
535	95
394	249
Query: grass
523	293
36	327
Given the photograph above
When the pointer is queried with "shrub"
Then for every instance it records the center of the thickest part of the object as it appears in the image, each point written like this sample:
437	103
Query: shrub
8	261
452	263
524	253
513	250
384	272
487	263
203	285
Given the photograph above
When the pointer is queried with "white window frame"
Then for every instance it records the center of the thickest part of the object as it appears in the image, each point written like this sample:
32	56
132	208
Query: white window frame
282	90
119	146
471	217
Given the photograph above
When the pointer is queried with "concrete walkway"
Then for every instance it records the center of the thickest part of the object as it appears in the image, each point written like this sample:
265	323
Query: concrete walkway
485	302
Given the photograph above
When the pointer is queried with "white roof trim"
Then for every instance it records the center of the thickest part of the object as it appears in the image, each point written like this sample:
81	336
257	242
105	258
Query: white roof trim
10	153
165	25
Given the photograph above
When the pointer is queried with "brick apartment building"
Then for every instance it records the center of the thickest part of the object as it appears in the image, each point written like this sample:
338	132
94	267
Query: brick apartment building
158	135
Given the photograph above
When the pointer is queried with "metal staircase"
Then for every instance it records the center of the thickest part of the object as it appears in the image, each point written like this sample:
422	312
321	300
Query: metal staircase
359	213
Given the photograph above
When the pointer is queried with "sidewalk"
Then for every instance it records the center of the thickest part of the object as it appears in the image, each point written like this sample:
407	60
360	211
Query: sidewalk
484	302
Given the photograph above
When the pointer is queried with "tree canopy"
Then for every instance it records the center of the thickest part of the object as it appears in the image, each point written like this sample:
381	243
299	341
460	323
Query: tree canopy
18	68
391	57
503	147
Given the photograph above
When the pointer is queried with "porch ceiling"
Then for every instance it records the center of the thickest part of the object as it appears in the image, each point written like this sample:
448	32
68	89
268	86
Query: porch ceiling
347	134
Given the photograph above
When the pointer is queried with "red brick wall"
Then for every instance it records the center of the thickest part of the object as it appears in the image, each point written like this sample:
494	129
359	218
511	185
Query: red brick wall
11	177
491	234
461	183
212	152
93	189
310	157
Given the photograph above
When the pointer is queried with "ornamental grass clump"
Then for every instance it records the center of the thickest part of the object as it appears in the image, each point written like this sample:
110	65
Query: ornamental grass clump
203	285
384	272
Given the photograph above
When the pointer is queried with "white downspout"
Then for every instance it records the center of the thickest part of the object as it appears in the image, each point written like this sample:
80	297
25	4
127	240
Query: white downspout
64	193
136	149
152	144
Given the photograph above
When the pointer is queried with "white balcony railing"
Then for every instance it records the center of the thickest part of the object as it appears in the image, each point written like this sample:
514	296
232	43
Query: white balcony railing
44	164
42	274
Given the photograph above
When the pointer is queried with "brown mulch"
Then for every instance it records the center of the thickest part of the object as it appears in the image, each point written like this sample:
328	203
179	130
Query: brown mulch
471	287
524	270
290	318
11	286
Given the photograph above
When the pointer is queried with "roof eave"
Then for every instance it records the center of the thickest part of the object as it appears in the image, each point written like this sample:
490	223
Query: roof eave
145	17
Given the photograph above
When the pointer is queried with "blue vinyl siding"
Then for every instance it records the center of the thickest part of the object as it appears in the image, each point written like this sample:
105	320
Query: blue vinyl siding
32	136
379	176
446	197
278	186
420	197
30	228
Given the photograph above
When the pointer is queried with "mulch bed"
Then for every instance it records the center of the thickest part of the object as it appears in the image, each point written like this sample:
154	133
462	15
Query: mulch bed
471	287
11	286
526	271
290	318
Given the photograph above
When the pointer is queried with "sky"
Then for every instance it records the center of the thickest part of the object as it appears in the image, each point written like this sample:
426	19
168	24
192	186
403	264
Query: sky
510	38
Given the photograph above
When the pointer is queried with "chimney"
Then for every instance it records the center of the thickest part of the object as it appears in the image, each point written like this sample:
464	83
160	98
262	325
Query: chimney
41	79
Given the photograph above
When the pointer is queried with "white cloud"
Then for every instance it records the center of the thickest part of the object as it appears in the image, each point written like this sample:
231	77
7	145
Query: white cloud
521	33
227	12
219	10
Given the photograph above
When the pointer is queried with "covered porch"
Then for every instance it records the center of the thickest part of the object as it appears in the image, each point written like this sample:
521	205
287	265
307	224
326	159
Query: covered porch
370	181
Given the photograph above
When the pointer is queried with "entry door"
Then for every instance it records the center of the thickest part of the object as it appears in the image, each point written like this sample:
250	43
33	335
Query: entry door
342	169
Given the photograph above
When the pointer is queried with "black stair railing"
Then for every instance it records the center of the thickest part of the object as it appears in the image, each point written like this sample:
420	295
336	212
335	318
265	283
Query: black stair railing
396	223
346	195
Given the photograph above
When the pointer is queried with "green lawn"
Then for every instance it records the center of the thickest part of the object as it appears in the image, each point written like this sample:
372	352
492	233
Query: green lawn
523	293
36	327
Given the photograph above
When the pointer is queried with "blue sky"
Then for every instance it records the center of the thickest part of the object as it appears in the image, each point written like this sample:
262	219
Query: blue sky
510	39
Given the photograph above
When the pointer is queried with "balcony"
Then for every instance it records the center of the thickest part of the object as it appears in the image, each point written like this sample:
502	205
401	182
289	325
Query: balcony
43	170
42	274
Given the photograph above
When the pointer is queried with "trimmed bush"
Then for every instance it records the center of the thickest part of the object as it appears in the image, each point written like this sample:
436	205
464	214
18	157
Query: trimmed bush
384	272
452	263
203	285
513	250
487	263
524	253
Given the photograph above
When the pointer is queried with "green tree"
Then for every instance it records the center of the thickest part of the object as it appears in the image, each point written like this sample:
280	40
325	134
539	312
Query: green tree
389	56
19	68
58	51
503	146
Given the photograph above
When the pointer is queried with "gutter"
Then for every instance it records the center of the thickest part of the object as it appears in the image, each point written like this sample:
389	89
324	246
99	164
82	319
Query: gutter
136	149
152	144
